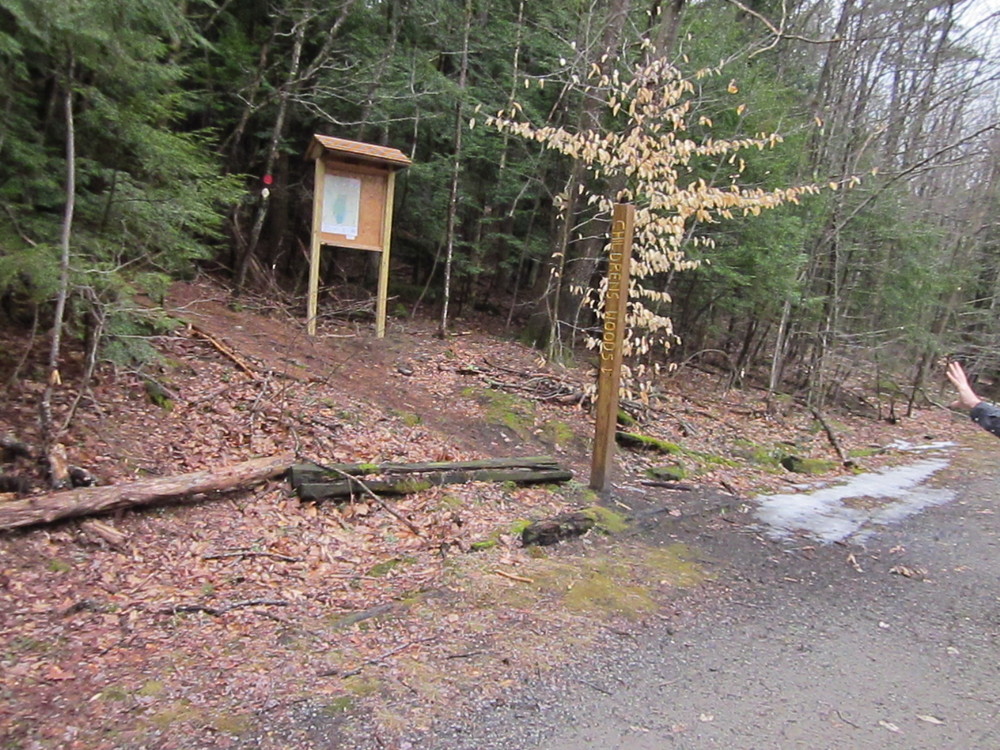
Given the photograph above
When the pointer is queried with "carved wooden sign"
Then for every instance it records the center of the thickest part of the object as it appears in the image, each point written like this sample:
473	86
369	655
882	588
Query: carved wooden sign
612	338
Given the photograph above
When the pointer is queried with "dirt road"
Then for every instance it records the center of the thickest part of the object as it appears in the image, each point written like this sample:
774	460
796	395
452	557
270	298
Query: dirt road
893	643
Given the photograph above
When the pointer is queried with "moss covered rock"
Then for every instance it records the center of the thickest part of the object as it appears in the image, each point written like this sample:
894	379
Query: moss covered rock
799	465
670	473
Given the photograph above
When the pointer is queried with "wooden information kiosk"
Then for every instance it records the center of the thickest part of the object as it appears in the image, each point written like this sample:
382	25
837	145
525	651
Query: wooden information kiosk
352	207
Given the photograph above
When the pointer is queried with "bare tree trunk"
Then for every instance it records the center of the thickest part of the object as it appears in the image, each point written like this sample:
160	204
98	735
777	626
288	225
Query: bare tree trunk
568	271
395	12
55	348
665	22
455	172
243	263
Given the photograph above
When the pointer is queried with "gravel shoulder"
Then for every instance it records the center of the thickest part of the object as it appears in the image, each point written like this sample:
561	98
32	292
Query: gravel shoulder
890	645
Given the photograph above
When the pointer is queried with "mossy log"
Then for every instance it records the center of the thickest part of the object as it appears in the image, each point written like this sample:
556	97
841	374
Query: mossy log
645	442
85	501
310	473
348	486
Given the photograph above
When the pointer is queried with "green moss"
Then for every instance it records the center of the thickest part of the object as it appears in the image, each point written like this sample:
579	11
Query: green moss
451	502
606	519
361	686
175	713
386	566
625	419
864	452
408	418
671	473
483	545
58	566
114	693
808	465
675	565
611	592
231	723
338	705
151	688
506	410
645	442
519	525
555	432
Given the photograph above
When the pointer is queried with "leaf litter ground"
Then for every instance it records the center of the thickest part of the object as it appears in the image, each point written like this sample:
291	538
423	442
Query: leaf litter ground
255	620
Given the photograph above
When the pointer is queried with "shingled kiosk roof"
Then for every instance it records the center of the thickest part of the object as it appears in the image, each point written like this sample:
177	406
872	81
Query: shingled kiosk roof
356	150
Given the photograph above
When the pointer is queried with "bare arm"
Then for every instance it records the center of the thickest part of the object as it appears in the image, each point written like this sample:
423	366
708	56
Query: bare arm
967	398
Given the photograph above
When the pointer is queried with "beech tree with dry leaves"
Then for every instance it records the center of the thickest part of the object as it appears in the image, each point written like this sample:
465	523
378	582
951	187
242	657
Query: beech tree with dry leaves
644	152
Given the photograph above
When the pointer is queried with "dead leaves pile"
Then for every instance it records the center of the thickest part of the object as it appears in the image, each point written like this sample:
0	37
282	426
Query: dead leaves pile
204	620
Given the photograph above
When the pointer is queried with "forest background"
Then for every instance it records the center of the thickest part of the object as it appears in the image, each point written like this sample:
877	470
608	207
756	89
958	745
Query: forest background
136	138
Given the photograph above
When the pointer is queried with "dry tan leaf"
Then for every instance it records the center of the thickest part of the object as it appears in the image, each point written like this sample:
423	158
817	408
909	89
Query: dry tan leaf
902	570
929	719
889	725
854	563
57	673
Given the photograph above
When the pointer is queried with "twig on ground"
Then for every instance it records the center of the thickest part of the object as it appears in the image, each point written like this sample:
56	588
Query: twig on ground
513	577
228	352
217	611
376	659
381	503
250	553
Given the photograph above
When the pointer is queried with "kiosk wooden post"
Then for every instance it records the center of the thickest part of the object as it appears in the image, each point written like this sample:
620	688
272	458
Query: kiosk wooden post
352	207
612	337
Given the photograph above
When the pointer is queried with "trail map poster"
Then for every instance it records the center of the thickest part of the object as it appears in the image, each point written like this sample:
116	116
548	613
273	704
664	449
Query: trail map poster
341	205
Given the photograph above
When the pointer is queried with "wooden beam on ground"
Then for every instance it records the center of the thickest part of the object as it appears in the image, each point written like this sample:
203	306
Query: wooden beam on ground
311	473
403	485
317	482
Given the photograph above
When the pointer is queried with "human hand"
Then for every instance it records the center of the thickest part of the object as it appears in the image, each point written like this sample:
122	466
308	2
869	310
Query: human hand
967	398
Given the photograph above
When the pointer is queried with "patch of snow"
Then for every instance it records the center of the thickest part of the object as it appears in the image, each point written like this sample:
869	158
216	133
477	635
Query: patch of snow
825	514
905	445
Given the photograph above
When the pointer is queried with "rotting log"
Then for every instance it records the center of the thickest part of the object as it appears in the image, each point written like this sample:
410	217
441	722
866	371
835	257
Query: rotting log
311	473
645	442
348	486
86	501
558	528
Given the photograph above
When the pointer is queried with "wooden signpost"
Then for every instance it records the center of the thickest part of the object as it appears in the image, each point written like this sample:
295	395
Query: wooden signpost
352	207
612	337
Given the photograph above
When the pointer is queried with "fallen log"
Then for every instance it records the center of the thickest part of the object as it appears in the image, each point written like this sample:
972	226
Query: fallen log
645	442
311	473
348	486
86	501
